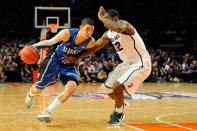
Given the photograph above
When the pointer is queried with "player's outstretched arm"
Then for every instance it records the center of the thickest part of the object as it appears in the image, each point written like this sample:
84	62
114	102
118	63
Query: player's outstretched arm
63	35
117	26
101	42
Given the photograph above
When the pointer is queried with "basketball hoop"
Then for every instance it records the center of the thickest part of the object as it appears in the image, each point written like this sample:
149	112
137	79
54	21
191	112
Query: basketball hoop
54	28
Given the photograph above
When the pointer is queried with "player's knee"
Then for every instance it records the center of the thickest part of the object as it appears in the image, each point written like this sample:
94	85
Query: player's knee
116	84
119	89
72	85
106	89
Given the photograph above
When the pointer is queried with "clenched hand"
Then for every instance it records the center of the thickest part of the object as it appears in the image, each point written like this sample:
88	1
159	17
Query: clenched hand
69	59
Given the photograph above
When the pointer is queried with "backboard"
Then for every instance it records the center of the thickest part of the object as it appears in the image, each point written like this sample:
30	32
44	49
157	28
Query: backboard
44	16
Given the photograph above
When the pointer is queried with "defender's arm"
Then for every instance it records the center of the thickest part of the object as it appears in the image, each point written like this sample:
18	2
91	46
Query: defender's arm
101	42
119	26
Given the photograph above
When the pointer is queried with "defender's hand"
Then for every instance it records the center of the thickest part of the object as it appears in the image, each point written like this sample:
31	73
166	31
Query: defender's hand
69	59
101	12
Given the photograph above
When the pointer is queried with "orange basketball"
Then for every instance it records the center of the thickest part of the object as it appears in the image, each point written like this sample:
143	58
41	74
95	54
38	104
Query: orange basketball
29	54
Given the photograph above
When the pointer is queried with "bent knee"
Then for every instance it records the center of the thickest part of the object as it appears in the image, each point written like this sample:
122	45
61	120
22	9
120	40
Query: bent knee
119	88
72	85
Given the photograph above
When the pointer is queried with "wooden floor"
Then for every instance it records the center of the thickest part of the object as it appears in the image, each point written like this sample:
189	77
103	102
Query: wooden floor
154	107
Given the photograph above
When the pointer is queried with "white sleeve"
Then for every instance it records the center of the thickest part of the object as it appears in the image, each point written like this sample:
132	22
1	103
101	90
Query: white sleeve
49	42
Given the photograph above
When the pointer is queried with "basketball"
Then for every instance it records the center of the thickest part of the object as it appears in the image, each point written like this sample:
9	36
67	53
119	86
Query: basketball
29	54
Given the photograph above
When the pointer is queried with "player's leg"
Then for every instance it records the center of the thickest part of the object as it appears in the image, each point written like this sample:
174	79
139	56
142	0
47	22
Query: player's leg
117	94
138	76
117	115
129	81
119	98
70	87
30	96
110	92
45	78
111	95
107	90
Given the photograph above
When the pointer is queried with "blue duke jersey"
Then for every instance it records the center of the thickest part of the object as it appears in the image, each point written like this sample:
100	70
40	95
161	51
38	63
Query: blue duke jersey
69	48
53	66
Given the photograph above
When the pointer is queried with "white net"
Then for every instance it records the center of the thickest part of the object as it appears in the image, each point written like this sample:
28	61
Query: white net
54	28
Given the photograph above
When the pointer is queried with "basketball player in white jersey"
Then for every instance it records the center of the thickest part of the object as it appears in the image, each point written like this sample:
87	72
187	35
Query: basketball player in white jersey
136	65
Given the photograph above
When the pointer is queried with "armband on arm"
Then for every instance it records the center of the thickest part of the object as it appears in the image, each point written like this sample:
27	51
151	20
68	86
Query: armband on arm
45	43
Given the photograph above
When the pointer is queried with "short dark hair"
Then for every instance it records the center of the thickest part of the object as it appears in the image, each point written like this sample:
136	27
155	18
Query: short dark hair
88	21
113	12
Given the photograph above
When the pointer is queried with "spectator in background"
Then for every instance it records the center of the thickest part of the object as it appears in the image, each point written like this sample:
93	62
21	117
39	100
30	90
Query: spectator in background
110	53
7	62
26	74
13	66
93	76
186	60
97	67
179	58
187	69
84	77
154	76
90	67
105	67
161	76
3	77
16	57
156	61
1	57
82	67
102	76
186	73
176	74
102	57
194	65
93	57
157	52
163	58
110	66
177	65
194	73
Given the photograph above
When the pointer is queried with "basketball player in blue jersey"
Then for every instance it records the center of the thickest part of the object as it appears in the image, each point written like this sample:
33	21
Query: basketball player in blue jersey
73	41
136	65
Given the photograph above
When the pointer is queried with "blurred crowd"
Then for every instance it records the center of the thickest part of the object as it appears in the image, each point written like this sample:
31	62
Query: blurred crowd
167	66
172	67
11	66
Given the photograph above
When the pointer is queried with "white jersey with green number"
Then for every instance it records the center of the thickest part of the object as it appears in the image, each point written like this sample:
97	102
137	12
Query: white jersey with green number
130	48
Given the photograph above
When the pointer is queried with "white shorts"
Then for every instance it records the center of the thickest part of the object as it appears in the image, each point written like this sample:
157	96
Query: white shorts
130	75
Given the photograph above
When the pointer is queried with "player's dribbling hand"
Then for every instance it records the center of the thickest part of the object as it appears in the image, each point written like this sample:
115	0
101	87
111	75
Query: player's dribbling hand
69	59
101	12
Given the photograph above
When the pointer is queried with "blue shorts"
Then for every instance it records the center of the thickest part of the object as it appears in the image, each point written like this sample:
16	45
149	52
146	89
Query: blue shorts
51	68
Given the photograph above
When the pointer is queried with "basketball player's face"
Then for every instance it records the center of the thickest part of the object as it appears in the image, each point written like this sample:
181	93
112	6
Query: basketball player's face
108	16
87	30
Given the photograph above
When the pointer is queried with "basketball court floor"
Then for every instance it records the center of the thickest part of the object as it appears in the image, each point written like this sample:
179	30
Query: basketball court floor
154	107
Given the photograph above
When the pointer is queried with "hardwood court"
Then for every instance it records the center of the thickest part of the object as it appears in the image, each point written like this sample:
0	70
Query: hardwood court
155	107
